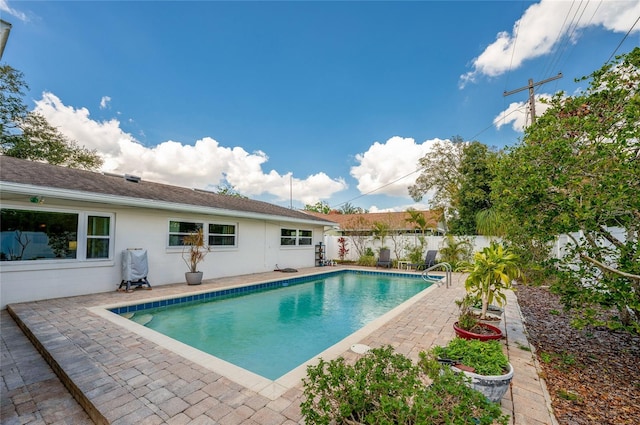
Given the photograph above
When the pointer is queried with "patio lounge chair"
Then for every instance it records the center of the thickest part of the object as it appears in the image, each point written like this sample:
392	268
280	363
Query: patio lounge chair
429	261
385	258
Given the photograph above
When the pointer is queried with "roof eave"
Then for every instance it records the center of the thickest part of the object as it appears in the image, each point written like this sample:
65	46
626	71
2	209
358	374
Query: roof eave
74	195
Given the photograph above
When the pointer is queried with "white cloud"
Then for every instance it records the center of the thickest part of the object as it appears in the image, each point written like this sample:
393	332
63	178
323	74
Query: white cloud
517	114
205	164
384	165
400	208
4	7
104	102
545	25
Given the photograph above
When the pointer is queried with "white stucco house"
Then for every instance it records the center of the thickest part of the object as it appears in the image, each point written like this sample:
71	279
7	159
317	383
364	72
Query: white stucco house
63	231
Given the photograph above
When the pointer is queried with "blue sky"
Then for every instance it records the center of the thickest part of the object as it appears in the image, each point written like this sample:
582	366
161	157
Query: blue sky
299	102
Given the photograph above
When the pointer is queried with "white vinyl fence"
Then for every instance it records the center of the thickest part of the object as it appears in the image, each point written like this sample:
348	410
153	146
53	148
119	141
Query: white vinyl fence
399	245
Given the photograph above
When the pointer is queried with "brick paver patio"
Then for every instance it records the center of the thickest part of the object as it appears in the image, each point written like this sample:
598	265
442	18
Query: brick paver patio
121	377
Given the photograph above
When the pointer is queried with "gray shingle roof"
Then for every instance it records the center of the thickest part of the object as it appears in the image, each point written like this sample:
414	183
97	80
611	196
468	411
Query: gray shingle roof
20	171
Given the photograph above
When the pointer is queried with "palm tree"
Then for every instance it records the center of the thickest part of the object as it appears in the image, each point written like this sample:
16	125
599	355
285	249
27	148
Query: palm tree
454	251
489	222
491	274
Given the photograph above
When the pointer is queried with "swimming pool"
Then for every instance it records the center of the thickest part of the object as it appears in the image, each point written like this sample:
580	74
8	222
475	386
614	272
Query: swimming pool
298	299
272	331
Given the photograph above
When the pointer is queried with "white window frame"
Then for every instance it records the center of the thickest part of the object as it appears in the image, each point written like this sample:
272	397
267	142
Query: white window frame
199	224
297	237
221	223
81	237
205	229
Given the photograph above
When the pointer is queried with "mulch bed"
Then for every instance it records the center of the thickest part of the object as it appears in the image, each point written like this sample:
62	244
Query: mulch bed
593	374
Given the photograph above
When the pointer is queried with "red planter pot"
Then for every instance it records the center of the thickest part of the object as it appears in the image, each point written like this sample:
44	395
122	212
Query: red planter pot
497	333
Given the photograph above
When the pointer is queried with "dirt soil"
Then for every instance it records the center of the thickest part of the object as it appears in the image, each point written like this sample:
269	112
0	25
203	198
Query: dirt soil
593	375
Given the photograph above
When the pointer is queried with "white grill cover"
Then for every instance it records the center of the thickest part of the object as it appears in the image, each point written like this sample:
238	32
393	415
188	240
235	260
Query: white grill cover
134	264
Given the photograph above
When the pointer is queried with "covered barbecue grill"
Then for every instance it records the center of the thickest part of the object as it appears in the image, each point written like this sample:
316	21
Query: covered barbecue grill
134	269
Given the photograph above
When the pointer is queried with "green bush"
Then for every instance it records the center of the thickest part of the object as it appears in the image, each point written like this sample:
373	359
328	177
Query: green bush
415	255
385	388
367	260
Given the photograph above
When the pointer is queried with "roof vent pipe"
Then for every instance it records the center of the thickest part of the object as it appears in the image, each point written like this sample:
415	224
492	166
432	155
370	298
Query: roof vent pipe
131	178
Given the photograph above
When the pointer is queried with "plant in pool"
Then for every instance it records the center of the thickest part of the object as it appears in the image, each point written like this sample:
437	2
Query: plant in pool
383	387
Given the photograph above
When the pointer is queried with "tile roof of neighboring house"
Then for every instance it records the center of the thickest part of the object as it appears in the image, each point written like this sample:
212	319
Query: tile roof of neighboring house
395	220
23	172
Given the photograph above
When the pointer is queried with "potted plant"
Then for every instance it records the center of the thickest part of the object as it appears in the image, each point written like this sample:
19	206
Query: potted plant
383	386
193	252
469	325
484	363
490	275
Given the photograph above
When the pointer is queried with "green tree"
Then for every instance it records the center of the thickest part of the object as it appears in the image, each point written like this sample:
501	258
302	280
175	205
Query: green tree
490	222
380	230
359	230
319	207
229	190
12	86
577	173
440	174
474	194
455	251
418	219
347	208
28	135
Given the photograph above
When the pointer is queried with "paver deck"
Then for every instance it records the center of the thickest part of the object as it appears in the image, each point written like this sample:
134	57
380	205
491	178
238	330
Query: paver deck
119	376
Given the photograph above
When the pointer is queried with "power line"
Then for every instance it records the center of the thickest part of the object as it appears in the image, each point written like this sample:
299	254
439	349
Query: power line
571	29
530	86
378	188
623	39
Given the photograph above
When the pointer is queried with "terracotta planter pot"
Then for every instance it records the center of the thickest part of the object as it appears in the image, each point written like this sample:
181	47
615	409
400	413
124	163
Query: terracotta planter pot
496	332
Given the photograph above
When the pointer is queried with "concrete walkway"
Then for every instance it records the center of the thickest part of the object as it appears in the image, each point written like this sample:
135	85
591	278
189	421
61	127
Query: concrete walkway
117	375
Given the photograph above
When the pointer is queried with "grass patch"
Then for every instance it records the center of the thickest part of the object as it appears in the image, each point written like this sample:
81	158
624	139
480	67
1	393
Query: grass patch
569	396
546	357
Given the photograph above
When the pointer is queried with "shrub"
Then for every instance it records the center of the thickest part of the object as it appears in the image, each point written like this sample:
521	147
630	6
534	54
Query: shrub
486	357
367	260
384	388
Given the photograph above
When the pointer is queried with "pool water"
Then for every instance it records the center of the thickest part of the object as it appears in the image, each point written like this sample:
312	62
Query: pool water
272	331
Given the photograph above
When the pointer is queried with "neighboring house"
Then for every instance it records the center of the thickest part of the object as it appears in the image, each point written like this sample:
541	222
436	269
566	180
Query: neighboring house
63	231
360	232
397	222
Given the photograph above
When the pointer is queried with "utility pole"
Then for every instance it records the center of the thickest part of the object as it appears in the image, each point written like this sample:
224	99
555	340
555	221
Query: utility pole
530	86
5	28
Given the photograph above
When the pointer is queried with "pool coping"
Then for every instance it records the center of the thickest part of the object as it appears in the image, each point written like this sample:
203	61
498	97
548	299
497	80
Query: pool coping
120	377
271	389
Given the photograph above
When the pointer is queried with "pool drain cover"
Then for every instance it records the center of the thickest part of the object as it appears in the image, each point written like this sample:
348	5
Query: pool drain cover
360	348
